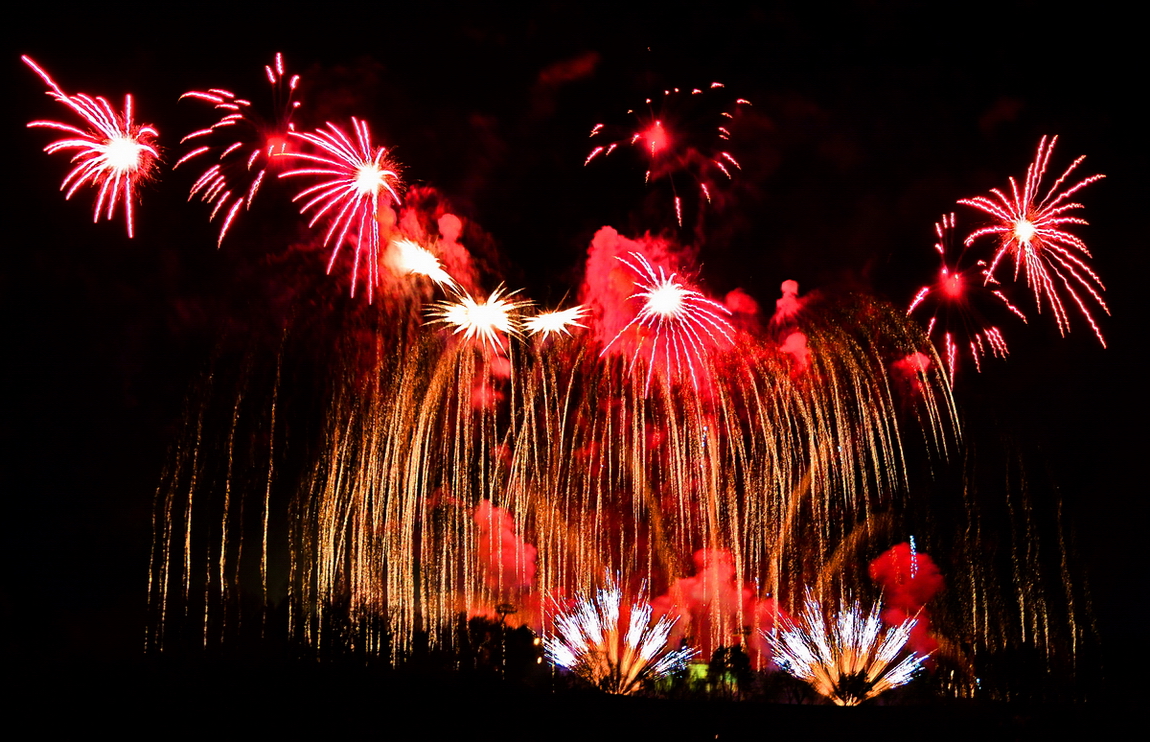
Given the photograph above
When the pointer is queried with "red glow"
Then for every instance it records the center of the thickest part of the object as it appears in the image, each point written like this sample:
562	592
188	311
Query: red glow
656	138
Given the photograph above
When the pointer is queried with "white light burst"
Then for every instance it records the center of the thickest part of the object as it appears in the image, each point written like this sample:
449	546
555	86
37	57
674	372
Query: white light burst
616	653
848	660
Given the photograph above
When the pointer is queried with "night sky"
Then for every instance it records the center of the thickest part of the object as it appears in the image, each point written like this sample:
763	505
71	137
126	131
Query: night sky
867	124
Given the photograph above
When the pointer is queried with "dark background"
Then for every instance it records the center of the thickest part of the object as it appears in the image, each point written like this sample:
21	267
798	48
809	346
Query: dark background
870	120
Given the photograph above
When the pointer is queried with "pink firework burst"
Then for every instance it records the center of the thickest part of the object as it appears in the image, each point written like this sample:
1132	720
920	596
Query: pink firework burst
1030	228
956	300
113	154
686	133
356	179
676	324
244	145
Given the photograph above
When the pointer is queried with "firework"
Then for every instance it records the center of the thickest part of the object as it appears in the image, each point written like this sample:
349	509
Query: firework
954	298
849	660
486	320
413	258
1030	229
357	179
247	145
676	322
614	647
558	322
113	154
681	134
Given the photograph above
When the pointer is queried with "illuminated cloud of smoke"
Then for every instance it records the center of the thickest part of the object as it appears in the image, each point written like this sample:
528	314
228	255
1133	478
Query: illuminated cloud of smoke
788	306
507	561
909	580
795	345
716	610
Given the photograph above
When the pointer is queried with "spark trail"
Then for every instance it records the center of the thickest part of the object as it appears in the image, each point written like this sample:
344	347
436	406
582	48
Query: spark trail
245	145
357	180
113	154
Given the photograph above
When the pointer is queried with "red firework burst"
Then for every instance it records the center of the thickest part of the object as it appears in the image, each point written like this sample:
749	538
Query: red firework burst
676	323
357	179
113	154
957	324
247	145
1030	229
683	134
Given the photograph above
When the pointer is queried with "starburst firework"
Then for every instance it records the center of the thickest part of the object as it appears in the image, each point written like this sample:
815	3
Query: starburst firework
676	322
558	322
848	660
411	257
679	134
956	324
613	651
487	321
357	179
247	147
1030	229
113	154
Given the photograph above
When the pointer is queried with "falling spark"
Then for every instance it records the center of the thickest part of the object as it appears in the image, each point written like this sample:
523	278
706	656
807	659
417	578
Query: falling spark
247	147
956	324
414	258
682	134
357	179
678	321
849	660
1030	230
113	154
613	651
486	320
555	323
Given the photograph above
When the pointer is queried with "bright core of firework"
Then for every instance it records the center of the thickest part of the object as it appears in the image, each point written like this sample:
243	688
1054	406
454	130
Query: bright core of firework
1030	228
678	322
848	660
555	323
486	321
112	153
615	653
414	258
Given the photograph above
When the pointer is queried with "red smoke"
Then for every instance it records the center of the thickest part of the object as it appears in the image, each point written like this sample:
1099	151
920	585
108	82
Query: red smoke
795	345
908	371
909	580
788	306
716	610
507	561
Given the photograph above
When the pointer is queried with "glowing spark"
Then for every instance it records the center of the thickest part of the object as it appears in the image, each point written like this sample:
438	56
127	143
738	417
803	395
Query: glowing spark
112	154
954	297
486	321
678	321
1031	231
414	258
357	179
614	652
247	145
849	660
558	322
